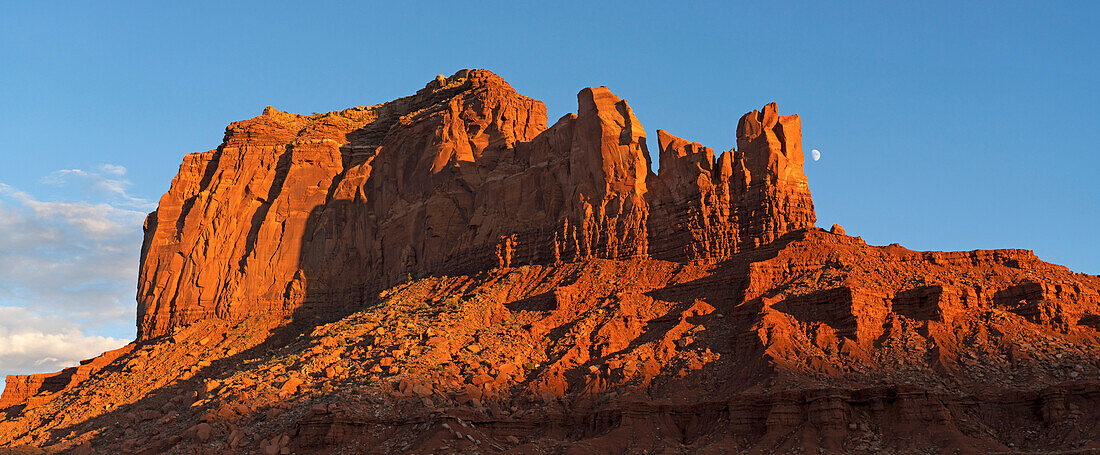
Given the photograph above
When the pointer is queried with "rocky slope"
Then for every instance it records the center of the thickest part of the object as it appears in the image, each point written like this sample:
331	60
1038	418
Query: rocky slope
445	274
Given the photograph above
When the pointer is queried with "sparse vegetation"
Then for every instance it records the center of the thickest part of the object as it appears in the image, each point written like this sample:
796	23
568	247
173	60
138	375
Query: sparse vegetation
452	304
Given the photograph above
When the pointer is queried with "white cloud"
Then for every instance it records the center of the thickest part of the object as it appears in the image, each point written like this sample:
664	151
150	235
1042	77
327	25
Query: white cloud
105	182
112	169
68	269
93	219
59	176
32	343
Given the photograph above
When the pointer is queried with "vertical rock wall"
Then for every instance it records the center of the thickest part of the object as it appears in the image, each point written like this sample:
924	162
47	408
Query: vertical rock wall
308	215
707	208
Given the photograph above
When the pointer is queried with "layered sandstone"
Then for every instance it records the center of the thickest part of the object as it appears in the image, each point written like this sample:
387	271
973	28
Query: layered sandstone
815	342
308	215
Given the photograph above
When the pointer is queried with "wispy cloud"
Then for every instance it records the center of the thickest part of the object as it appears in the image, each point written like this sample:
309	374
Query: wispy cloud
105	182
112	169
68	268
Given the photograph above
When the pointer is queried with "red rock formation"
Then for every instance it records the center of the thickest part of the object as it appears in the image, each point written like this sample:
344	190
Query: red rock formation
288	202
308	215
708	209
774	194
495	285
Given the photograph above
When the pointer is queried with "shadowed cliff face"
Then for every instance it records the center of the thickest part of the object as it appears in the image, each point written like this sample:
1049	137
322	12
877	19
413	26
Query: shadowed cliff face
461	177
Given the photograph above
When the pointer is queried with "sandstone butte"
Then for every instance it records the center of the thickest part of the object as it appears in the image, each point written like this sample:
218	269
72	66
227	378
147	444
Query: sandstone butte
444	273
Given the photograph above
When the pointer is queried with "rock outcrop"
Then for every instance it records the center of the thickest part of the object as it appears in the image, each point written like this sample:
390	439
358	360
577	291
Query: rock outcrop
33	389
309	215
444	273
710	209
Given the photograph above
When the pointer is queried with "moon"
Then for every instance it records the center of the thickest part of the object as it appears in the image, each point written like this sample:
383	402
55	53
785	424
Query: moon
816	154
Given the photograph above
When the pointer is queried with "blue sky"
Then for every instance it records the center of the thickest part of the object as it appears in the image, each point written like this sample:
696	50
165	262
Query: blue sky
941	126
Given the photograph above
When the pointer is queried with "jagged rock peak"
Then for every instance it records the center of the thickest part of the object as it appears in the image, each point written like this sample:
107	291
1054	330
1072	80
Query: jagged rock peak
308	215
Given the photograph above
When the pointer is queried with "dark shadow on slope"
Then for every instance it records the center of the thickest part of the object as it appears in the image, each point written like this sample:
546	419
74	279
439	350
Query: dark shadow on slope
544	302
12	412
832	307
922	303
731	274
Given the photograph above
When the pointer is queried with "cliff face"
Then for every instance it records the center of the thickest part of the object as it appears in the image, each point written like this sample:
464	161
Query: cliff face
308	215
